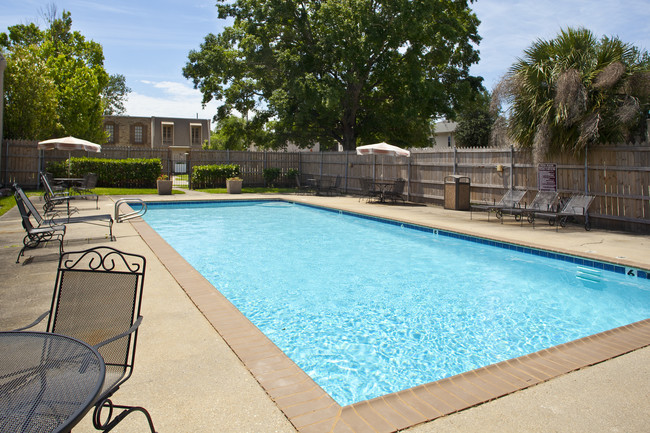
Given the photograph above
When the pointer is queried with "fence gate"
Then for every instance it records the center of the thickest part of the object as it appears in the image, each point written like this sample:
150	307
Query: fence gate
179	170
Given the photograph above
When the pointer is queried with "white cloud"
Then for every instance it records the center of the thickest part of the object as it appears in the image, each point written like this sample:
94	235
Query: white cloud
167	99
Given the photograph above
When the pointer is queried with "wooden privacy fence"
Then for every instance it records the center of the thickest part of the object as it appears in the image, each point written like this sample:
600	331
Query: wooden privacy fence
619	176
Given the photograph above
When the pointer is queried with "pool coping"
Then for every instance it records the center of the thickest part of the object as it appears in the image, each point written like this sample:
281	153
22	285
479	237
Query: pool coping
310	409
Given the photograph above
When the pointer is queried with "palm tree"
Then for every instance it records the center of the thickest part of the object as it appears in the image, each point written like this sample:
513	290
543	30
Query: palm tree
575	90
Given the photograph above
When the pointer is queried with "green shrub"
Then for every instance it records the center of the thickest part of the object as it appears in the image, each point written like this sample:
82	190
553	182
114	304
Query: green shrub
125	173
292	173
271	175
213	176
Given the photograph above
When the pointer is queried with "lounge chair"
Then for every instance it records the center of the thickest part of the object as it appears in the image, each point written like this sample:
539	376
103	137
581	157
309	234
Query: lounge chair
577	206
58	188
544	201
42	233
55	219
396	192
97	299
509	200
55	199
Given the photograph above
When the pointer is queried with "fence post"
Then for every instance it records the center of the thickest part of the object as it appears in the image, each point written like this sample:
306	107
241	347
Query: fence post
347	164
264	167
512	166
586	172
408	178
189	169
455	160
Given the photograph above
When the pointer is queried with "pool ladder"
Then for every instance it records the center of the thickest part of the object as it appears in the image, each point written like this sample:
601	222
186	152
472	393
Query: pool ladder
130	215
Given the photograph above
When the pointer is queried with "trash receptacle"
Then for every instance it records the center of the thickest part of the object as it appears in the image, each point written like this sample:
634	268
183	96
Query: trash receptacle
457	192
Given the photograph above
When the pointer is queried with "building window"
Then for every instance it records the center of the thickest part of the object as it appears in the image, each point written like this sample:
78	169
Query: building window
196	135
110	131
168	134
137	134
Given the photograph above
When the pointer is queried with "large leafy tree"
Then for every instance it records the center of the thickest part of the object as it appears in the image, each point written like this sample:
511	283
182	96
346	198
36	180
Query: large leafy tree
576	90
61	94
339	71
114	94
475	122
30	97
230	133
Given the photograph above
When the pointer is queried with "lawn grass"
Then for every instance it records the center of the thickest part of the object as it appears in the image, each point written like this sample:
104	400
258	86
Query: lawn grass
8	202
131	191
250	190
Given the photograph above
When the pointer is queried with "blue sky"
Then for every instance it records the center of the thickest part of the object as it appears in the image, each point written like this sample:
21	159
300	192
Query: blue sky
148	41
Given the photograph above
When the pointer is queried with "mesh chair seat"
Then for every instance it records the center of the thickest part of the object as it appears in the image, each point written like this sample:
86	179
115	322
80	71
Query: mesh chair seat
97	297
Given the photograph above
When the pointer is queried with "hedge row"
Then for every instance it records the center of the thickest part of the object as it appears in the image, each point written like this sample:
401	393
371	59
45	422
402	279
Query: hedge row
213	176
121	173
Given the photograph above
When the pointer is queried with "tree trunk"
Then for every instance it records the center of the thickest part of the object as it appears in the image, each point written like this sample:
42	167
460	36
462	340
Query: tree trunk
349	135
349	120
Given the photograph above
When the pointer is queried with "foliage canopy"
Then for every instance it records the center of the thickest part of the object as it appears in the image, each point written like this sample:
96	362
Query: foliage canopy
339	71
475	122
575	90
54	82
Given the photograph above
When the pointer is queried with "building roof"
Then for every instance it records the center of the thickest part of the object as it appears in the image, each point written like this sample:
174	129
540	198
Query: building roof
445	127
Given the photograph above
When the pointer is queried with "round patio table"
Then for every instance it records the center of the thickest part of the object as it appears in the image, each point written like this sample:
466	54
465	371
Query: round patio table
383	186
48	382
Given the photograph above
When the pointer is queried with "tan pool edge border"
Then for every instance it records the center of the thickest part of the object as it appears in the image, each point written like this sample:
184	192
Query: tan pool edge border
310	409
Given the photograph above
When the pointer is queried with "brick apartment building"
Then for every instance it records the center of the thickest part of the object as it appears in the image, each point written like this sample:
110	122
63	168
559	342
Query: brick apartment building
177	134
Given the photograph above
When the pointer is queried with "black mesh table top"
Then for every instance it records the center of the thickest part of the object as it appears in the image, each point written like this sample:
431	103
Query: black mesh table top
48	382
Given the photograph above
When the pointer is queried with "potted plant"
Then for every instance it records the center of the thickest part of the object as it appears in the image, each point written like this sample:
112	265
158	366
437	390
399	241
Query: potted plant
233	185
164	185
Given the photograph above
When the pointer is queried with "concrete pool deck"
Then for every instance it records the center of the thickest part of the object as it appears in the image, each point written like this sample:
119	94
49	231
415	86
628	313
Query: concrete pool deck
190	379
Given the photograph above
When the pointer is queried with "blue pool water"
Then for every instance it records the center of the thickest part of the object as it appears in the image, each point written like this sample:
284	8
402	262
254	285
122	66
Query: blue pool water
368	308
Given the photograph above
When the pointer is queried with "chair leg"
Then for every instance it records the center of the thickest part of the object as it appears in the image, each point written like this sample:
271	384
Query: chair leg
22	252
112	422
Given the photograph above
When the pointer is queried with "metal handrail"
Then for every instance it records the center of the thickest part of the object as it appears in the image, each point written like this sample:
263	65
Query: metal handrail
134	214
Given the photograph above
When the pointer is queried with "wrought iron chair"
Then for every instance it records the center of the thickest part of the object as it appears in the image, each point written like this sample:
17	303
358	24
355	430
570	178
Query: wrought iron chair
54	199
57	188
97	299
303	188
55	219
333	188
397	191
368	190
85	187
39	234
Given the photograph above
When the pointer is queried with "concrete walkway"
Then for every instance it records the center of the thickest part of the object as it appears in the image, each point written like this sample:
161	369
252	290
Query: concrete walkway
191	381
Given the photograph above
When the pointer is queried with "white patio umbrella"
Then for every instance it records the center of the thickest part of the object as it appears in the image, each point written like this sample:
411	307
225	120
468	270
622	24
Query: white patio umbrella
382	149
69	144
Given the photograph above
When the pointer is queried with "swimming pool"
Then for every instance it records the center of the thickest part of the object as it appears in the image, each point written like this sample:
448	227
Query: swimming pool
379	307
